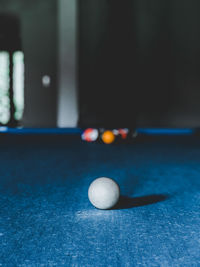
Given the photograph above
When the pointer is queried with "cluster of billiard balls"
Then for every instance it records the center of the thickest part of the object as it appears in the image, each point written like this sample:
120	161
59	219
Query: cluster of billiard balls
104	193
105	136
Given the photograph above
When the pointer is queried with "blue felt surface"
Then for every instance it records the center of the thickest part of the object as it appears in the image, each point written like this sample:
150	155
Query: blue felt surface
47	220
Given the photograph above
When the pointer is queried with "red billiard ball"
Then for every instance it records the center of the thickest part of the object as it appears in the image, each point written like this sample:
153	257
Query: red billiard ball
123	133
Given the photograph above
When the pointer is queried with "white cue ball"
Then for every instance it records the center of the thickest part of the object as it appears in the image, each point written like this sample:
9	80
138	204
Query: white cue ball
103	193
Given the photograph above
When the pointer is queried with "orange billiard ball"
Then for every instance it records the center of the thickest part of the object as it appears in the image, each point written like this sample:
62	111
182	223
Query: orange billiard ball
108	137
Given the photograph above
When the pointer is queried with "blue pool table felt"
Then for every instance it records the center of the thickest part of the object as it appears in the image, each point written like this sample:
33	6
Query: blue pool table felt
47	220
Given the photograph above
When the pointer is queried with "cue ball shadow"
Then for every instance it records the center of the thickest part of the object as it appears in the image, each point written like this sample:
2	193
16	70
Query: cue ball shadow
131	202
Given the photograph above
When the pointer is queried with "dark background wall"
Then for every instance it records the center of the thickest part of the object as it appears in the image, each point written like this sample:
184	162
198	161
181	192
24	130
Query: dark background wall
169	39
155	50
136	61
107	63
38	21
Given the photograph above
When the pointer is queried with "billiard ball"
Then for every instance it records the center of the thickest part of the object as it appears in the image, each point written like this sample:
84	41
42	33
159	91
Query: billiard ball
108	137
104	193
90	135
123	133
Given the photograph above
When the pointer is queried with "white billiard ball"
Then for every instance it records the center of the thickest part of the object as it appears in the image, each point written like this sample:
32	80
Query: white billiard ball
103	193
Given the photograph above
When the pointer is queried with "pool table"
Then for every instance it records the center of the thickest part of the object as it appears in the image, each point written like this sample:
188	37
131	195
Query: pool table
46	218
